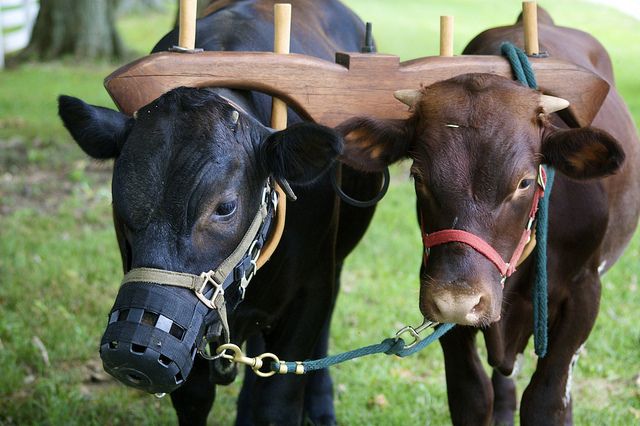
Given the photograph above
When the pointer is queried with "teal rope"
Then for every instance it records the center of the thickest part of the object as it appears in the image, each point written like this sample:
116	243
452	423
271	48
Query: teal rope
391	346
520	64
540	310
523	72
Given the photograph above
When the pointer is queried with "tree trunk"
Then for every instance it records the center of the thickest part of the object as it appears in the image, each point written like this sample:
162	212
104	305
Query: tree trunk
84	29
143	6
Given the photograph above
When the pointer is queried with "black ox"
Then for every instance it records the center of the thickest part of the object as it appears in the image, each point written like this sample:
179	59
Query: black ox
189	175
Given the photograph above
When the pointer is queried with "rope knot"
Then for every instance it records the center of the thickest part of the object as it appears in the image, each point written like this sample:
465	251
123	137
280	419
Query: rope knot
396	345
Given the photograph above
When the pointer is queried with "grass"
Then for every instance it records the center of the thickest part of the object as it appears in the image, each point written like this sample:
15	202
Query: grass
59	264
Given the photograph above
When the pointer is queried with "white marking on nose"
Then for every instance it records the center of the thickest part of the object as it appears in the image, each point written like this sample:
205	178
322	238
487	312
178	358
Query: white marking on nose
458	308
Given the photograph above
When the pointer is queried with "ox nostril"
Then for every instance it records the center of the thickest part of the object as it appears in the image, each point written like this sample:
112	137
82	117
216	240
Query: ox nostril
480	306
465	309
435	309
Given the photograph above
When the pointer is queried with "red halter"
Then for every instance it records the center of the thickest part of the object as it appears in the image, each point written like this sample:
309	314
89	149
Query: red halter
481	246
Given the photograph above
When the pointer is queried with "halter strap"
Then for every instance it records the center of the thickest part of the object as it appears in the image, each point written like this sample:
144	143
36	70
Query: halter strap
506	269
239	267
459	236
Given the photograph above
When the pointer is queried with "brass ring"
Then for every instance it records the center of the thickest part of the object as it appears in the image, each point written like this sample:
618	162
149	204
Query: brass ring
261	358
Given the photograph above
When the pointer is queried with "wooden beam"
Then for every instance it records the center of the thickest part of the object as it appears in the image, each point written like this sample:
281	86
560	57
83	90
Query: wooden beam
330	93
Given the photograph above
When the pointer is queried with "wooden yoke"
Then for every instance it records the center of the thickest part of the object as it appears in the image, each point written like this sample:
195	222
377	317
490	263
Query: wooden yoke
329	93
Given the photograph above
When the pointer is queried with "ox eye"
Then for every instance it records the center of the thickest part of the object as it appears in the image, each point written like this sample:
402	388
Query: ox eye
225	210
525	183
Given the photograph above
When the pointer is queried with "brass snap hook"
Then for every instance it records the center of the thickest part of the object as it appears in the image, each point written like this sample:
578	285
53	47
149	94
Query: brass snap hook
254	363
415	332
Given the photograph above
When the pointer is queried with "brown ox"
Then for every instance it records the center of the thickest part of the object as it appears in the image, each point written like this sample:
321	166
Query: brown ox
476	142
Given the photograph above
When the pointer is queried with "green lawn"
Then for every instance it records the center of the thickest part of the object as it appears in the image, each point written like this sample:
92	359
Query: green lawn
60	267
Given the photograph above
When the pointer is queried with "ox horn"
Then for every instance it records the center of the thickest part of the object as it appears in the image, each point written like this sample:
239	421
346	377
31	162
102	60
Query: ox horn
552	104
408	96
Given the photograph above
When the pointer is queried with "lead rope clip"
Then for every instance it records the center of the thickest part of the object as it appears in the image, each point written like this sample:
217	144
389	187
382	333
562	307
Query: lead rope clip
415	332
255	363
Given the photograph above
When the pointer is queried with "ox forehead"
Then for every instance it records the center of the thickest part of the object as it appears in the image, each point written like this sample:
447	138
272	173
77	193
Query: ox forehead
480	101
183	146
476	135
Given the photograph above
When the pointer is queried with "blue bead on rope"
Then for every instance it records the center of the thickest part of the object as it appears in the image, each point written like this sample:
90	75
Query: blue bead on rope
524	73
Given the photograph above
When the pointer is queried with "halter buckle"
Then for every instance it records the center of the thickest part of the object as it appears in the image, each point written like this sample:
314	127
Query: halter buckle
541	180
274	200
244	280
530	223
207	278
265	193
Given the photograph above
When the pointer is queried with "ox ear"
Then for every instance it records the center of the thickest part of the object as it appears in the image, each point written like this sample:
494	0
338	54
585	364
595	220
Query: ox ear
301	153
583	153
372	145
100	132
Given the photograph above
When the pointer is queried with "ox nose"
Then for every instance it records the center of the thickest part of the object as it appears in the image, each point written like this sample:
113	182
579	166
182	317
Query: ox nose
468	308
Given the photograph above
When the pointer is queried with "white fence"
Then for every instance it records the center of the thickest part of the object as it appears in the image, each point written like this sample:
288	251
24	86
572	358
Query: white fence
16	22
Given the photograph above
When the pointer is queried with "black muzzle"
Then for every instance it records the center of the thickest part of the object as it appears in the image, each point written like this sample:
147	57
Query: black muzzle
158	321
153	335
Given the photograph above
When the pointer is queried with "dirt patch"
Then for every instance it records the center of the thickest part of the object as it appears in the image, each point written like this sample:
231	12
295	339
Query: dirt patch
45	189
95	379
40	174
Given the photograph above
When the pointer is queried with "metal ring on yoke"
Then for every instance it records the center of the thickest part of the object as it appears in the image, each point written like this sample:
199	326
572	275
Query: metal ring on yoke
358	203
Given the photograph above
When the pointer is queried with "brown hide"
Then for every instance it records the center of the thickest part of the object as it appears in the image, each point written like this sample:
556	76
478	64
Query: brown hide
591	222
475	141
618	195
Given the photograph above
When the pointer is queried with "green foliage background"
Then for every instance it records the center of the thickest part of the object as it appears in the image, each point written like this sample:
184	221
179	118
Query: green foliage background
60	267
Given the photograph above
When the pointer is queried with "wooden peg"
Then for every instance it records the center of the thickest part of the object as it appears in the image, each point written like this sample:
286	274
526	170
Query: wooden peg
282	37
368	39
281	43
187	29
530	23
446	36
